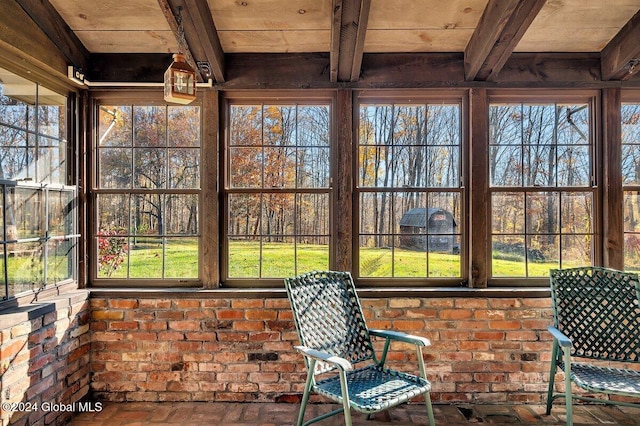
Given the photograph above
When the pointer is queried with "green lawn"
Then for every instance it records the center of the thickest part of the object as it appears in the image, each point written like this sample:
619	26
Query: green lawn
280	259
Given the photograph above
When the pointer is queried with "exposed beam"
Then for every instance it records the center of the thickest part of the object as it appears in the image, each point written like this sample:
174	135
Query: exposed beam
174	23
348	29
52	24
501	27
204	31
620	59
399	70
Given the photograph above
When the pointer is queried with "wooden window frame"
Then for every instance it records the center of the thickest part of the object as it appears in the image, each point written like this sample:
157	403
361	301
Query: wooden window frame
593	98
452	96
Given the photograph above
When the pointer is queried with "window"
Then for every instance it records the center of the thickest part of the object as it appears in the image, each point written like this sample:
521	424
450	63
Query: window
409	189
38	203
542	186
631	184
277	190
146	193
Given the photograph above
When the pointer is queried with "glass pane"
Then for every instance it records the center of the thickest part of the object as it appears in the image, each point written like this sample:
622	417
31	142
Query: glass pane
146	257
576	250
573	124
410	127
508	256
245	167
244	214
16	94
113	214
115	168
631	211
25	267
147	214
540	169
505	165
376	259
312	215
51	114
52	164
443	125
542	214
244	257
150	168
18	162
61	212
245	125
184	126
312	254
113	257
632	252
376	166
278	216
410	167
506	216
114	127
279	167
181	257
442	166
149	126
184	168
410	262
313	168
445	264
24	214
375	213
279	125
278	258
59	260
181	214
631	164
577	213
573	166
314	127
542	254
505	124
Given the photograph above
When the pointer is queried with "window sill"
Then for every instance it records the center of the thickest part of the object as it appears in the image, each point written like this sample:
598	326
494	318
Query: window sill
378	292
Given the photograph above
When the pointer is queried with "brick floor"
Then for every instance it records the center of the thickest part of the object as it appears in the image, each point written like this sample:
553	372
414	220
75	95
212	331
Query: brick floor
272	414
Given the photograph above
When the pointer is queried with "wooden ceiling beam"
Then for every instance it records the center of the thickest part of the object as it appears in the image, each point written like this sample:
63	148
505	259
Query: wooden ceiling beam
620	59
501	27
173	14
204	31
51	23
348	29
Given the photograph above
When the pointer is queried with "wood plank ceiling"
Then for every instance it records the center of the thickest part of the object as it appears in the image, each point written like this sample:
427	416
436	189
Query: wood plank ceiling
486	32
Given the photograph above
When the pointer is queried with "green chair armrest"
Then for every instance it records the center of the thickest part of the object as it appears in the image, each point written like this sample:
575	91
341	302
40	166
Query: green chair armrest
339	362
562	339
401	337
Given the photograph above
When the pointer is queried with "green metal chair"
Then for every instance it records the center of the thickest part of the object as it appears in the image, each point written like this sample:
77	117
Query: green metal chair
338	352
596	316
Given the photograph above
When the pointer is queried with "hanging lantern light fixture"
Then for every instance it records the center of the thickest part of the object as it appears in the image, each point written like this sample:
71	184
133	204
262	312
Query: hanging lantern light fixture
180	78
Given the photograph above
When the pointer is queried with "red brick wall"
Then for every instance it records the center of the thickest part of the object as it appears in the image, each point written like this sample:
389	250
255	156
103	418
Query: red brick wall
44	359
488	350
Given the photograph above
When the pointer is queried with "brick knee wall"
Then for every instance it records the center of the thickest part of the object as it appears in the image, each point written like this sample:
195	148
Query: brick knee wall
44	359
485	350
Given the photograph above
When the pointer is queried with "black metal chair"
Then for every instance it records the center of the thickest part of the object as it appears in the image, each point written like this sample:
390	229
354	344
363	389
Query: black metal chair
338	352
596	316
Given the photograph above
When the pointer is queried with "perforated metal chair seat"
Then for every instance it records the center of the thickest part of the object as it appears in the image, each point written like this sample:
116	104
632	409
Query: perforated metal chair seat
604	379
374	388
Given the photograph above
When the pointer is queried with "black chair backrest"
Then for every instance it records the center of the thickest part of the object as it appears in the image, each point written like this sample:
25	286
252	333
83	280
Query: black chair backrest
597	308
